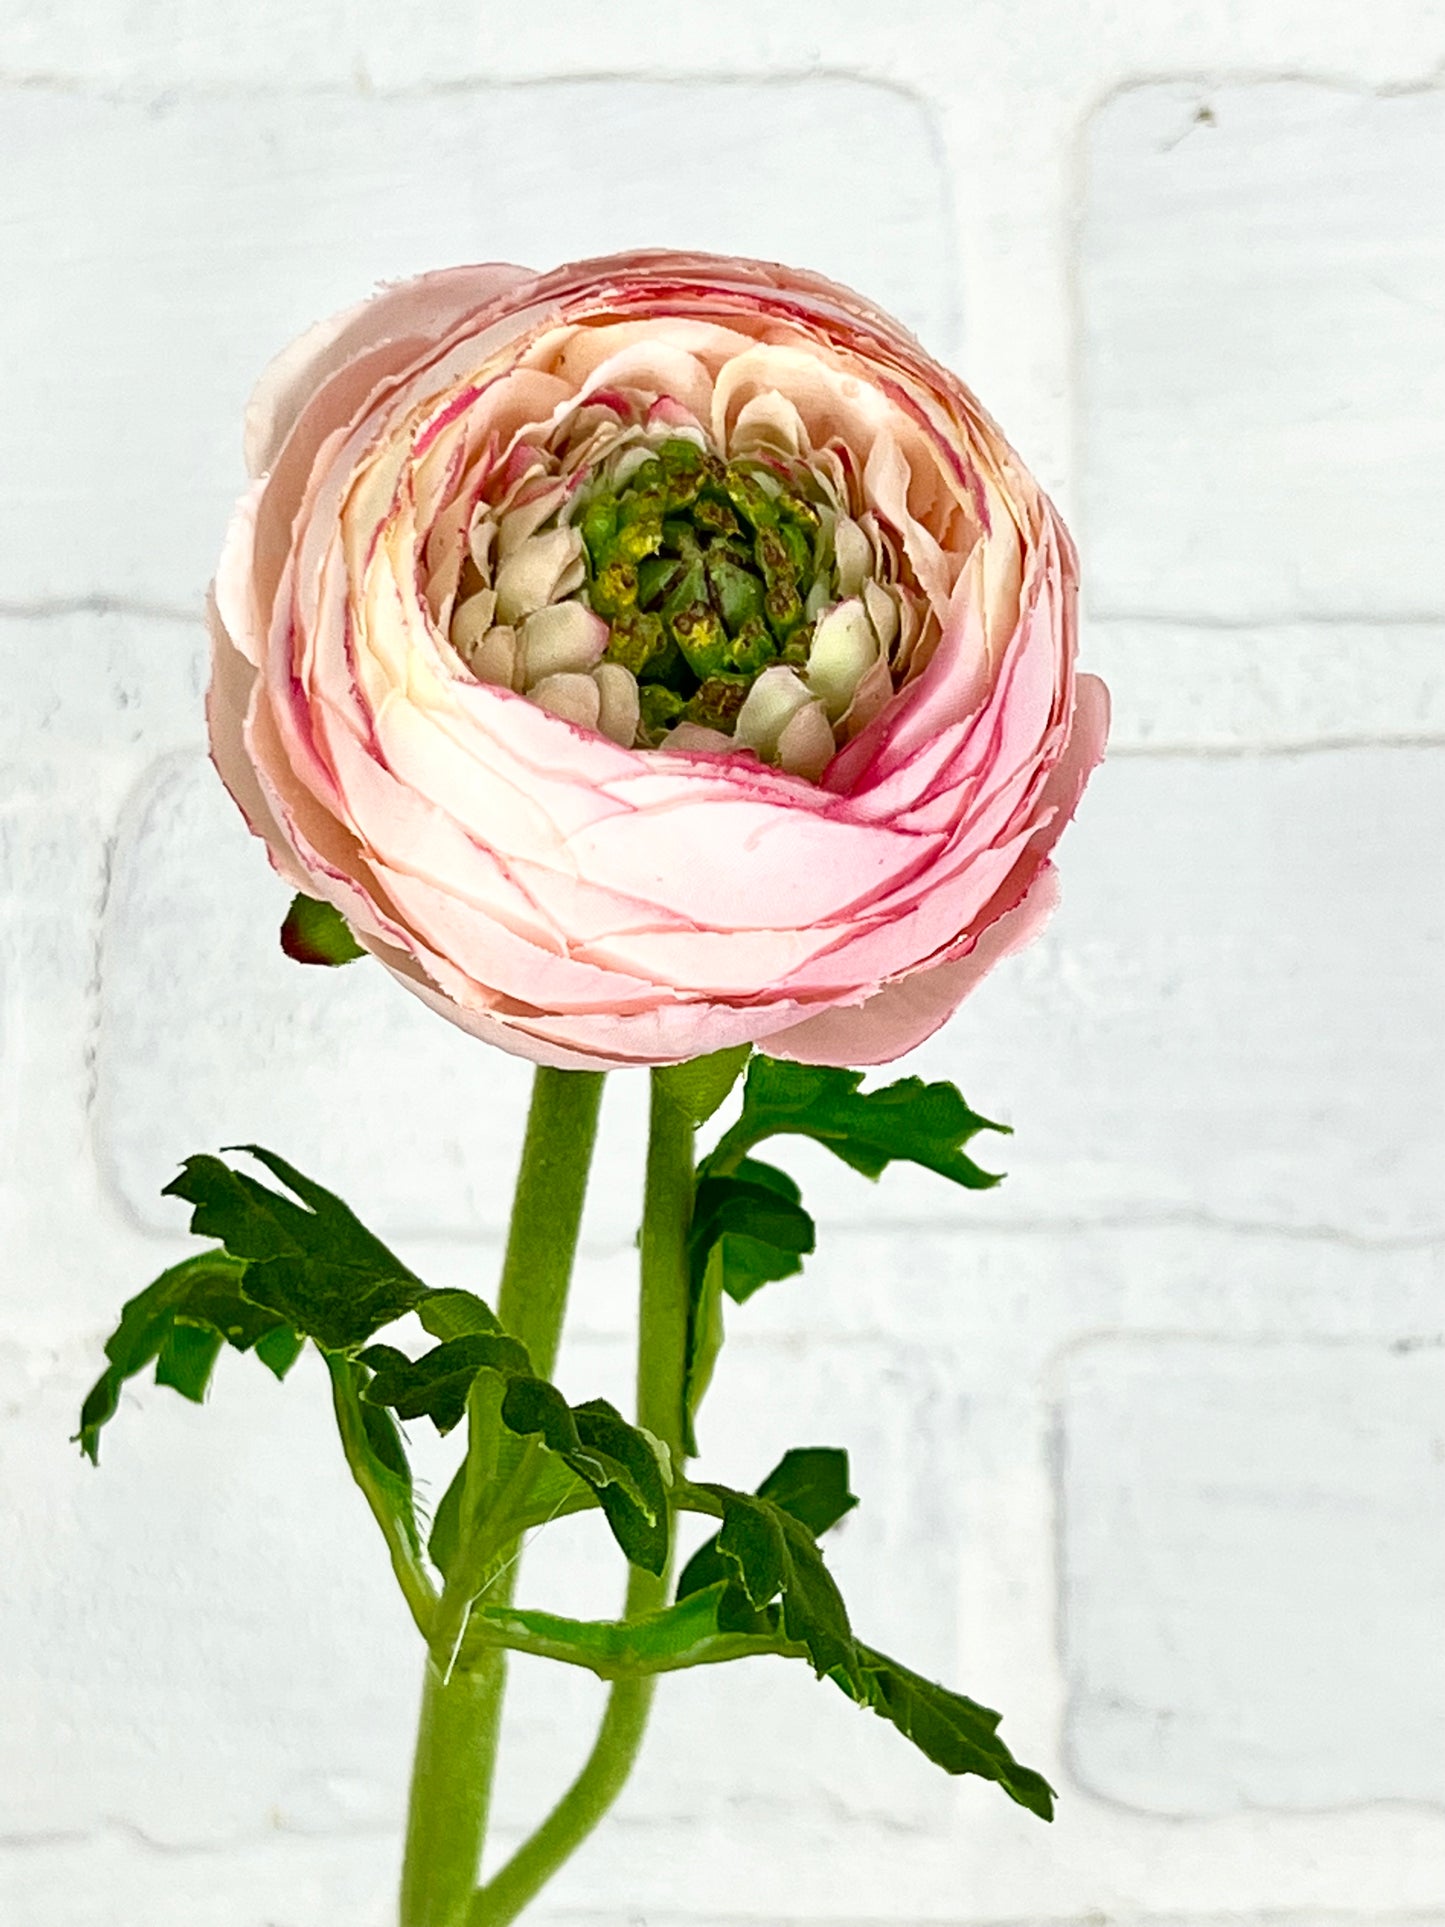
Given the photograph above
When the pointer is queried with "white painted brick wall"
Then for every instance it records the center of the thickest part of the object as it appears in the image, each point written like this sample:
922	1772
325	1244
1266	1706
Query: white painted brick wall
1152	1435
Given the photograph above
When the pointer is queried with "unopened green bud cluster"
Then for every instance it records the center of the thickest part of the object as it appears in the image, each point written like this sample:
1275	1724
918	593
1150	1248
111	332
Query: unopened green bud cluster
707	572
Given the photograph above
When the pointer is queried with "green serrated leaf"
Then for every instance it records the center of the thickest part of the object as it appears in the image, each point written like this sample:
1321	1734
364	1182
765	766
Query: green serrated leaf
705	1336
619	1462
443	1540
700	1086
317	933
634	1495
187	1356
383	1435
813	1609
777	1594
279	1350
250	1221
254	1222
751	1542
810	1483
954	1732
755	1171
290	1267
532	1406
457	1314
375	1449
749	1227
553	1488
336	1305
436	1385
205	1292
747	1230
218	1298
924	1124
313	1263
764	1233
772	1556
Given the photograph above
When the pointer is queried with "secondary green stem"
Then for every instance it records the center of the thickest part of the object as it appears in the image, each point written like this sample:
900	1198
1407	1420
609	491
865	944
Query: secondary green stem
461	1710
661	1368
547	1210
663	1303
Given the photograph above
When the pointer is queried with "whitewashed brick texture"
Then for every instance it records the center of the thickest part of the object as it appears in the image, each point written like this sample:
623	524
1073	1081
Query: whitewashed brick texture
1150	1438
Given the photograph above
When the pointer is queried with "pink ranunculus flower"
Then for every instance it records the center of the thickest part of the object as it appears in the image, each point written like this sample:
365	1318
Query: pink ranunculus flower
649	657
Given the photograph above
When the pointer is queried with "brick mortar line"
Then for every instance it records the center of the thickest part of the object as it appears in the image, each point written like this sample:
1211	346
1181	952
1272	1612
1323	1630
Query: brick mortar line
60	608
142	92
1305	746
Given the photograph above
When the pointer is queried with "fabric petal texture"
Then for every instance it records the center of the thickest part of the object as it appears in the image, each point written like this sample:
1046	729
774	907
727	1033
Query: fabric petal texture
651	656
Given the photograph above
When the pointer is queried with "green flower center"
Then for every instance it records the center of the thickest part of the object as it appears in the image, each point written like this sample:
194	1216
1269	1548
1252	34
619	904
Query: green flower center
665	595
707	572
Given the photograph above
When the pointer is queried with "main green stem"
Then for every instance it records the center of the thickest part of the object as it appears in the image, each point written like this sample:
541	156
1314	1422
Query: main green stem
461	1711
661	1369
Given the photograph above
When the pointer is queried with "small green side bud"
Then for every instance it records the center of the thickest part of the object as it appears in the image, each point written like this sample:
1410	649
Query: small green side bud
316	933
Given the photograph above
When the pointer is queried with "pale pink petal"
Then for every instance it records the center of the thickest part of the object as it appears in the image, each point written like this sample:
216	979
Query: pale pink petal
901	1015
430	305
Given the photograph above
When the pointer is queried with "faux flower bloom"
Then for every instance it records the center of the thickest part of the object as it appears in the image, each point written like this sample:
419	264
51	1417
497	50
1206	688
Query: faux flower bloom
650	657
